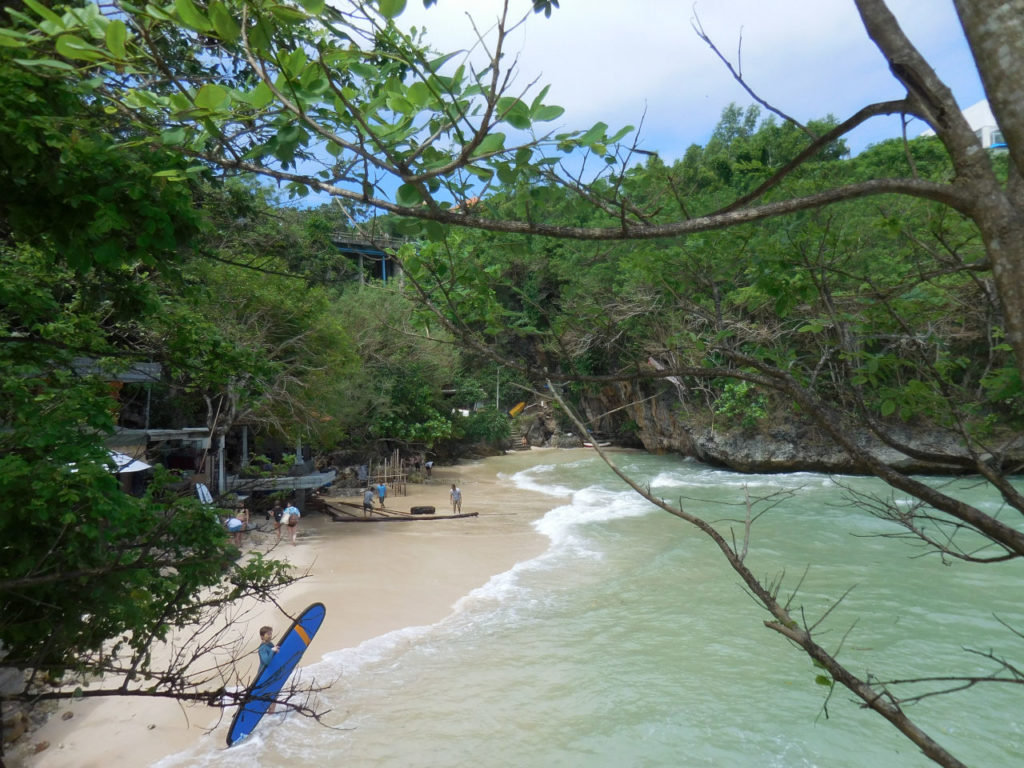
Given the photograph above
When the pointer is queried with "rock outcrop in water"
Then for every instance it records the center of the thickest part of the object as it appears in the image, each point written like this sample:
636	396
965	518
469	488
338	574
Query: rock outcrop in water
661	424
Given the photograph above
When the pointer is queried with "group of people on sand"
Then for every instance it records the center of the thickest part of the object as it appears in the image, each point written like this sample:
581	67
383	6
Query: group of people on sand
381	492
371	493
413	463
285	518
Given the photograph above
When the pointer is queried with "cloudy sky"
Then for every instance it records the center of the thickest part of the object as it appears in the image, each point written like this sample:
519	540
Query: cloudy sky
627	61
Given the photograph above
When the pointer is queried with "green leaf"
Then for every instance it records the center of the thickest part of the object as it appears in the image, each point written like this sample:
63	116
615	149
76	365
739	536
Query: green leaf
823	680
544	114
435	231
888	407
260	96
493	142
173	136
480	173
506	174
46	63
192	16
74	47
116	35
45	12
389	9
11	39
618	136
159	13
400	104
408	195
212	96
288	15
224	23
419	94
313	6
593	135
295	62
514	112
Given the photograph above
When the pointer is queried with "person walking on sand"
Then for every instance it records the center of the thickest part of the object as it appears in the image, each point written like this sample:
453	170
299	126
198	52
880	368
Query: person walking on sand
266	651
382	491
277	513
291	519
429	467
367	501
456	495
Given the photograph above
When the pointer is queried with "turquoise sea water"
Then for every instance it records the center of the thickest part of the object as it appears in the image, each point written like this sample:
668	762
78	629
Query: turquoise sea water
630	643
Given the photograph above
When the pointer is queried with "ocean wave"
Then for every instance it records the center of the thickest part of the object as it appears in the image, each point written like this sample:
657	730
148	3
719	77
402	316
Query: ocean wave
589	506
544	478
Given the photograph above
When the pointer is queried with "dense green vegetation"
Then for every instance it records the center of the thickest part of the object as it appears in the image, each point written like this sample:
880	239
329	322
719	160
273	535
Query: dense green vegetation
876	306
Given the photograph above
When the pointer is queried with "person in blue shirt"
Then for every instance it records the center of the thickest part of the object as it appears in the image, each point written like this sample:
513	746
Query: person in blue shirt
382	491
367	502
266	651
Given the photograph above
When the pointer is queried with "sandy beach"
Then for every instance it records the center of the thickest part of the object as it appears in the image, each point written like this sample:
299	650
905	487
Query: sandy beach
373	578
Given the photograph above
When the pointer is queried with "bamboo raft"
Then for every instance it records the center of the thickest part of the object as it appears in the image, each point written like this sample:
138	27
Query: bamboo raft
351	512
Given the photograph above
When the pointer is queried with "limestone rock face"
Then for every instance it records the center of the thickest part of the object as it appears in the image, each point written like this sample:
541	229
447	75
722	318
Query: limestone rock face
662	424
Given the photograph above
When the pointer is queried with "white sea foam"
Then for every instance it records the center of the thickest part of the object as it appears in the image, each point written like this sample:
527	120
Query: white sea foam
349	661
706	477
565	525
540	480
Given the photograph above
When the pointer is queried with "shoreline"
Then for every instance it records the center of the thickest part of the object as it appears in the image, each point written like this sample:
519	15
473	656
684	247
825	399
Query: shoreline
373	579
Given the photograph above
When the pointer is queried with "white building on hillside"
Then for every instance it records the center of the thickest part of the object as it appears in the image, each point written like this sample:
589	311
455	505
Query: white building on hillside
983	123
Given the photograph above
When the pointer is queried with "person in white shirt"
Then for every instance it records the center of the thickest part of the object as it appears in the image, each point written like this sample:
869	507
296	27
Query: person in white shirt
291	519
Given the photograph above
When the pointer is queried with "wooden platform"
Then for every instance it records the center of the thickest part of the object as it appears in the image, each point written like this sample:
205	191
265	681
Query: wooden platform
350	512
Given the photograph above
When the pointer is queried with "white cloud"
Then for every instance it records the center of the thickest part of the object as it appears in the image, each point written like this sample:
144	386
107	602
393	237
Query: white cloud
613	59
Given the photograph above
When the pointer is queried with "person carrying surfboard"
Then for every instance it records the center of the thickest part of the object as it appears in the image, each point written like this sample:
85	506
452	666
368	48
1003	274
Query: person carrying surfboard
266	651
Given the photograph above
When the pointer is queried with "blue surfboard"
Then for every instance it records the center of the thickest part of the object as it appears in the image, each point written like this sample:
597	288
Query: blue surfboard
271	680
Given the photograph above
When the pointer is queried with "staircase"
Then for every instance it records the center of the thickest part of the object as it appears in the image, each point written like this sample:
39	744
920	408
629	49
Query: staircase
518	440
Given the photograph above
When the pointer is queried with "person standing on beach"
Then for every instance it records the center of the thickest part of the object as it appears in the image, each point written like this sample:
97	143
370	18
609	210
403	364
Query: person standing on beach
382	491
429	466
292	515
456	495
266	651
367	501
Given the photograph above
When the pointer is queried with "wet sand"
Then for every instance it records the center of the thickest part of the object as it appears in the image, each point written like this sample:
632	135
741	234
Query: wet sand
373	578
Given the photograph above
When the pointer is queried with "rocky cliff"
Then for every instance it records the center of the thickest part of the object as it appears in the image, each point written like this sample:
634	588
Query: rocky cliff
660	423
